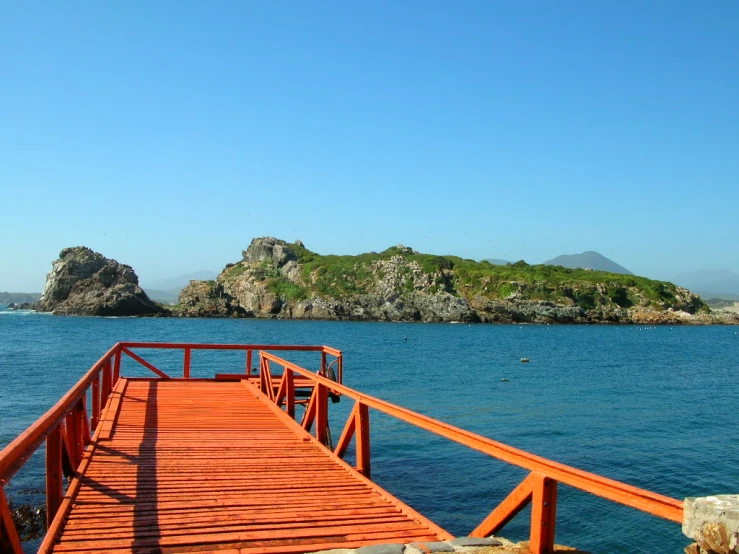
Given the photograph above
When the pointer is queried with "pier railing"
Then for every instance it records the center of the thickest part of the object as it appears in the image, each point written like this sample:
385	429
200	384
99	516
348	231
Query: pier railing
539	488
68	428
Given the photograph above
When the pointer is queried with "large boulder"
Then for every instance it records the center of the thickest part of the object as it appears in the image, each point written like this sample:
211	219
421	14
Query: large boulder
207	299
83	282
269	249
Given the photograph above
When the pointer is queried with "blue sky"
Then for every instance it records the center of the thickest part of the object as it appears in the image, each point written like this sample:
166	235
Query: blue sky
167	135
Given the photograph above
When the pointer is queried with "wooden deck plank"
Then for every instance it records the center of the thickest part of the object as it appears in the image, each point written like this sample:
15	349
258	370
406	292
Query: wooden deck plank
197	466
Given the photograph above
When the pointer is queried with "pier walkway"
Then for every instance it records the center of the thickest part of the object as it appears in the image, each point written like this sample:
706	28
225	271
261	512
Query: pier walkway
203	465
243	462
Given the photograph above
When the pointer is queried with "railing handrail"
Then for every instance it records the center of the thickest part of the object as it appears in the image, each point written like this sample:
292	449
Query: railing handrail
653	503
215	346
15	454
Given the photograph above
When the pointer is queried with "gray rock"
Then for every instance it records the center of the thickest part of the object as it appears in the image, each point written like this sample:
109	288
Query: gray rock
713	523
382	549
83	282
269	249
475	541
336	551
432	547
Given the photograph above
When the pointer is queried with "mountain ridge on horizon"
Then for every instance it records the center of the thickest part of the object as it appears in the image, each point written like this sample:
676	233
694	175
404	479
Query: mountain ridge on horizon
586	260
711	283
167	290
589	259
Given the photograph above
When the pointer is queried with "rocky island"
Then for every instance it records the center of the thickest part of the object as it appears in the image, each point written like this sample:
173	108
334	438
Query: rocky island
83	282
276	279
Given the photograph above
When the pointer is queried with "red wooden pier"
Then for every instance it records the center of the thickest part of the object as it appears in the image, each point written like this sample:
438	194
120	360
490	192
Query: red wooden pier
163	464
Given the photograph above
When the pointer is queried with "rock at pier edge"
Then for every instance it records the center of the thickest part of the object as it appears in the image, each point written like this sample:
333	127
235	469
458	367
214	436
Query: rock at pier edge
713	523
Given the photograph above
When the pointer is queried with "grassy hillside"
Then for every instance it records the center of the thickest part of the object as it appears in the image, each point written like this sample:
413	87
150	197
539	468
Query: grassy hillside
334	276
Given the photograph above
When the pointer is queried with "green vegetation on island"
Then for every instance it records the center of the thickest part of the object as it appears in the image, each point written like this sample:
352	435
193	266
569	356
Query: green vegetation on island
342	276
279	279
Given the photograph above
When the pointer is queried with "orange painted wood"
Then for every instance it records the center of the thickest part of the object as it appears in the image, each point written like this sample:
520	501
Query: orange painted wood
310	412
543	512
144	363
348	432
105	427
10	542
263	471
95	403
116	365
71	437
186	363
191	465
646	501
13	456
107	380
265	379
322	414
363	440
290	393
83	423
507	510
54	474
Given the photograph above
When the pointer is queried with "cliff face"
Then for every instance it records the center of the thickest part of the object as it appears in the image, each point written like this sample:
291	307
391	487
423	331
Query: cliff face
83	282
281	280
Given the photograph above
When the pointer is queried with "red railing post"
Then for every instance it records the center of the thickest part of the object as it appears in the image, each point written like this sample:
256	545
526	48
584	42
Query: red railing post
363	440
54	474
543	514
265	379
84	424
290	392
248	361
71	431
322	413
116	369
95	402
186	370
107	382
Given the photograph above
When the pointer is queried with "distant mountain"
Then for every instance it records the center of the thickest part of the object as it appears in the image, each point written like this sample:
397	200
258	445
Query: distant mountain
168	290
163	296
180	281
18	298
588	259
496	261
711	283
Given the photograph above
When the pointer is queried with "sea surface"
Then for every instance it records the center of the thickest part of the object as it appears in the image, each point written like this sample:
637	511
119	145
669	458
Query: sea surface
655	407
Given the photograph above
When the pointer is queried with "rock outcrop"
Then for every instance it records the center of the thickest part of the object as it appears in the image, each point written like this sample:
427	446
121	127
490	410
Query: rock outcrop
276	279
23	306
83	282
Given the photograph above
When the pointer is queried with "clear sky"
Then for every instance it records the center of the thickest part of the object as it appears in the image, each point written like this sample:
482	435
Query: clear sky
167	135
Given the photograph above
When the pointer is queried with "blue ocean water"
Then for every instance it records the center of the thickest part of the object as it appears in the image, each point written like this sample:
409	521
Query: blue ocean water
653	407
